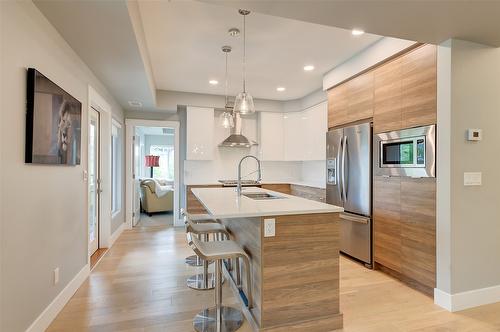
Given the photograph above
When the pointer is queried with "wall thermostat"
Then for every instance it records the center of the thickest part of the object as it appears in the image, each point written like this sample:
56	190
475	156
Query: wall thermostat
474	134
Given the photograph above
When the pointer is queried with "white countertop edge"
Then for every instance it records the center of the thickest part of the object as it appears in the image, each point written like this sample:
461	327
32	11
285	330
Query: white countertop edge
333	209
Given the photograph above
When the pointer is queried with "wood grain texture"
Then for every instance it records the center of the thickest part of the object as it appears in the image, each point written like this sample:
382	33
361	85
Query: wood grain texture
247	233
279	187
301	270
388	103
418	230
140	285
387	222
360	97
194	206
337	106
419	87
312	193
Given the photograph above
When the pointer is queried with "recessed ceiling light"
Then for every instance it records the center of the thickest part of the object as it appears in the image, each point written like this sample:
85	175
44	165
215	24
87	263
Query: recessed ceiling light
135	103
280	89
213	82
357	32
308	67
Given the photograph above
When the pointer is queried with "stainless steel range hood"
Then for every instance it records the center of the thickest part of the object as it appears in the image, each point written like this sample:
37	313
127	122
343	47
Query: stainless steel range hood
236	139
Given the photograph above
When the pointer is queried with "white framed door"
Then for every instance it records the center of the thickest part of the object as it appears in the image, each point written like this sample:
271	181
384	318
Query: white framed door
94	180
136	215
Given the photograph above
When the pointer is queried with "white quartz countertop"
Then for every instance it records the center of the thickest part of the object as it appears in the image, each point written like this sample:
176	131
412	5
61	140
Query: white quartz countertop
225	203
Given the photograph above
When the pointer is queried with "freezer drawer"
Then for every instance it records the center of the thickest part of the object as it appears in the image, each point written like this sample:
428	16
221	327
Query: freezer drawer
355	237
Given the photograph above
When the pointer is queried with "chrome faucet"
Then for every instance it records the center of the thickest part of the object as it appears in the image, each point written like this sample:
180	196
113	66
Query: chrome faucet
238	187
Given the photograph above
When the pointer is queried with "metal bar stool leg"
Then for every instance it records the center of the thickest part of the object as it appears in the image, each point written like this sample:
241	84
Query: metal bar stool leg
205	280
218	318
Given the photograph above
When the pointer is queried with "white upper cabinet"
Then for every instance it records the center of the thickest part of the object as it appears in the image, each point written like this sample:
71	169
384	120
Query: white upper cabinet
294	134
316	126
271	146
200	133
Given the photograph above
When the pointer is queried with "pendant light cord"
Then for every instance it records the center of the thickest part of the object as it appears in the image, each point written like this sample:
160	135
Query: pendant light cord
225	105
244	53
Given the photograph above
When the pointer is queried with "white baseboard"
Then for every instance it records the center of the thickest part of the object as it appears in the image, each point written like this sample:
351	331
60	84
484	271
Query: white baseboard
116	234
47	316
466	300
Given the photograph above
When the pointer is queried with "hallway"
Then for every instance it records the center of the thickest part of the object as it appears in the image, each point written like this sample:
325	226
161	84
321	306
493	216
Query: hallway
140	286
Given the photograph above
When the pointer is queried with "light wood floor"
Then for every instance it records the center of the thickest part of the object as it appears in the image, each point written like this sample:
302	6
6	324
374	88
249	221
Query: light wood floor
140	286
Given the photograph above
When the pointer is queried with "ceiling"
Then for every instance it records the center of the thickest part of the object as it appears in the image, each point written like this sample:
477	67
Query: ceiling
103	36
424	21
184	40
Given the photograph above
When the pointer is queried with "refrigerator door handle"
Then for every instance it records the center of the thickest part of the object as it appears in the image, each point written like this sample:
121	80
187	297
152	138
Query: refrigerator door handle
344	147
339	184
354	218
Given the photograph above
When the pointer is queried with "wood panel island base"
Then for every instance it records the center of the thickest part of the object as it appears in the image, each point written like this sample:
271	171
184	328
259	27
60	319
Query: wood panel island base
295	273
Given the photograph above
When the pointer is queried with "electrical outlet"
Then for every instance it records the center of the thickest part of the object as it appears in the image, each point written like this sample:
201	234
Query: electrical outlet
269	227
56	276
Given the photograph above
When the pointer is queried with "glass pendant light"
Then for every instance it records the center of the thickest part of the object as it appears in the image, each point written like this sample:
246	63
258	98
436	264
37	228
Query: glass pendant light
244	101
226	118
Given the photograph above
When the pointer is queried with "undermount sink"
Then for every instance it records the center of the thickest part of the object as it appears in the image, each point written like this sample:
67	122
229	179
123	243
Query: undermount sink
261	196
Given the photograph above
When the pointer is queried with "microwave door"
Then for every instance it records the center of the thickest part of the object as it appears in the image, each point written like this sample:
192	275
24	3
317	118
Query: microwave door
334	140
357	174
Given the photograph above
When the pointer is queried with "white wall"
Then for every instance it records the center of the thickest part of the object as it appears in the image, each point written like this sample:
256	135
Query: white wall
44	208
469	221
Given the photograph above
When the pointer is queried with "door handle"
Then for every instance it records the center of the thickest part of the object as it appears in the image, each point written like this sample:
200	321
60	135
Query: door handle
344	193
337	167
358	219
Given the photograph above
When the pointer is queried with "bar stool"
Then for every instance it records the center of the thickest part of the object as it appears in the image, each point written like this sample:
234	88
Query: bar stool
205	280
194	260
220	318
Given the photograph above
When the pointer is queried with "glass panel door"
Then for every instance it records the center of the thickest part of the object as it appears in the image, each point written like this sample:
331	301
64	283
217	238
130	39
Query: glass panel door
93	181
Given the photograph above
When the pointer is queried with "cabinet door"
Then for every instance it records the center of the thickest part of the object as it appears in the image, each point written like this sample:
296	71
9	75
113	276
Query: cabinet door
271	136
360	94
419	87
337	106
315	120
386	222
388	97
200	133
418	230
294	136
278	187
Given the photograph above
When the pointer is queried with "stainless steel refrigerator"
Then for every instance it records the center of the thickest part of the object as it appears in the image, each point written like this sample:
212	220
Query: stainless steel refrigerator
349	184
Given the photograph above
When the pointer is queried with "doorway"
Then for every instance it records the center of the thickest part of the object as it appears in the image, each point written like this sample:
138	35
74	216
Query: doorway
94	180
152	173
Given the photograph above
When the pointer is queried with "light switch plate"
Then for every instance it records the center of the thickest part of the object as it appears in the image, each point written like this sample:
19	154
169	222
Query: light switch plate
472	178
269	227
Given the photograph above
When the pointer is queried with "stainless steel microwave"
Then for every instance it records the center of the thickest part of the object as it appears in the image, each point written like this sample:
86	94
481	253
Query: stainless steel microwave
408	152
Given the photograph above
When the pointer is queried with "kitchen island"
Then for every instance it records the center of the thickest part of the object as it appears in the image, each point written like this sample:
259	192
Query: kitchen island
293	244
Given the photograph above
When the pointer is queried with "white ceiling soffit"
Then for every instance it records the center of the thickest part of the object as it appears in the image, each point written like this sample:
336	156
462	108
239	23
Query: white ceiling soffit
423	21
184	40
102	34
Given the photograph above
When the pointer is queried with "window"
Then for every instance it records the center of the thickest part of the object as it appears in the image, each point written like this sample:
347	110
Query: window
116	197
166	169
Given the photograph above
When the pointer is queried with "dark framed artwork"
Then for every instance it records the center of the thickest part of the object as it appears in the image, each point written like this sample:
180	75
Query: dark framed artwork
53	123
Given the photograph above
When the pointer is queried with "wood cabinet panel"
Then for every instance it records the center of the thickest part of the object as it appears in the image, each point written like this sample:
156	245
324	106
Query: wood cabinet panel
315	194
279	187
388	96
360	97
194	206
387	222
337	106
418	230
419	87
